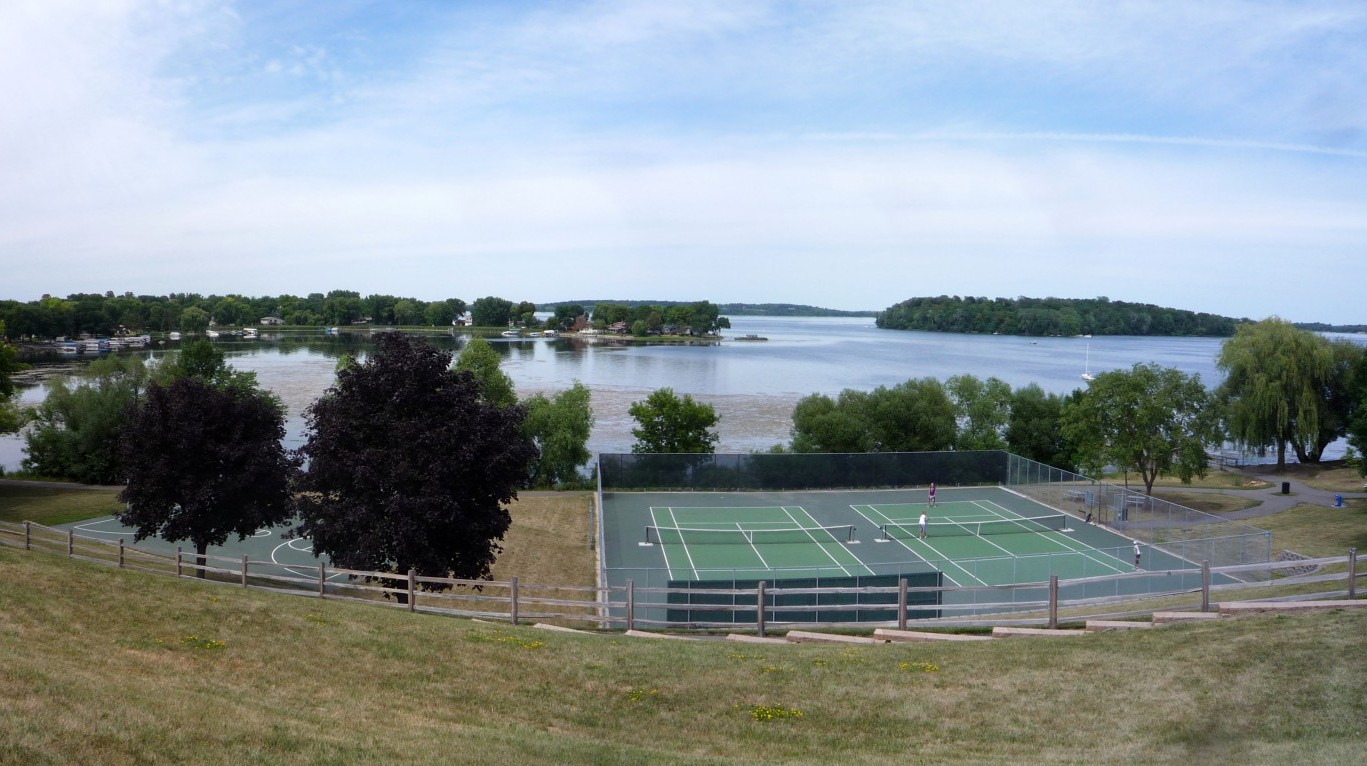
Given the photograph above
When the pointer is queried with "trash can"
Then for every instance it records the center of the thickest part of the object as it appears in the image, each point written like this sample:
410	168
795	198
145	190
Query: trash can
1338	501
1286	488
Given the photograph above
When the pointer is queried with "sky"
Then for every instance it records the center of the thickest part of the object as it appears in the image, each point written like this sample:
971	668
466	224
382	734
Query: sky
1208	156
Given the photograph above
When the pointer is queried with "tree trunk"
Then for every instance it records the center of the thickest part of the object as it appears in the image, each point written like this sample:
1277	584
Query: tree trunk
1281	454
200	550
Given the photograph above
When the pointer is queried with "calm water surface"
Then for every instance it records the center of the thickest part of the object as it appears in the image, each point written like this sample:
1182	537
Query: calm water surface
754	385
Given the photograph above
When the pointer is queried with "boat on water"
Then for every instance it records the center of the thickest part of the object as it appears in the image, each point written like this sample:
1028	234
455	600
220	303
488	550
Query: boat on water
511	334
751	336
550	333
250	333
212	333
1087	368
173	335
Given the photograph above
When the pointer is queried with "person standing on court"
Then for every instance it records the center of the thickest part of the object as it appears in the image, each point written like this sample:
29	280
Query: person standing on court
1136	555
923	525
930	496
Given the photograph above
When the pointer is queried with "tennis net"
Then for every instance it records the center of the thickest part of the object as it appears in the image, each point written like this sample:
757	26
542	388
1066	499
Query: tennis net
843	533
1050	523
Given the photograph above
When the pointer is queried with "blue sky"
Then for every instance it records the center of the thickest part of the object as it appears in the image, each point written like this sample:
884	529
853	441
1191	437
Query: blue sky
1209	156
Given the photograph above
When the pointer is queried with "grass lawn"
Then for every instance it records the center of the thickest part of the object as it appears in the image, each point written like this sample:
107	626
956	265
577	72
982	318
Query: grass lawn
1331	476
55	505
106	666
1315	530
1207	501
1215	479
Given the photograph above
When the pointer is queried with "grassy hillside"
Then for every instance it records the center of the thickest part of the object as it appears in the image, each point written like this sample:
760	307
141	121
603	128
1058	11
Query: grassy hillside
102	666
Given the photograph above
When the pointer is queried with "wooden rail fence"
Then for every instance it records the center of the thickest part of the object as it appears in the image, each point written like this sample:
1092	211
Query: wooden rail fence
630	607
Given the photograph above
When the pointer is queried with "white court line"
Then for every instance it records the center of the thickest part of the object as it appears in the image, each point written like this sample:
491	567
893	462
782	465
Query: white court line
294	569
688	555
751	540
1072	546
813	538
664	549
910	549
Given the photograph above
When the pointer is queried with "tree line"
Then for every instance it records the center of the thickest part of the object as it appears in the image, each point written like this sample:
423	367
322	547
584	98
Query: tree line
107	314
1050	316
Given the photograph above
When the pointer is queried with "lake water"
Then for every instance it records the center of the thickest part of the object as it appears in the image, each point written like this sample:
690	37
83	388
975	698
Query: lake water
753	385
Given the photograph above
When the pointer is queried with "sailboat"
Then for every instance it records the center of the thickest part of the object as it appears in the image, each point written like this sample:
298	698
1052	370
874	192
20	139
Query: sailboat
1087	371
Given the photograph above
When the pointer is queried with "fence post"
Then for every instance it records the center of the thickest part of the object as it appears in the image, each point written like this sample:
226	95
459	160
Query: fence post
1205	586
28	537
1053	601
1352	573
512	599
412	589
70	544
322	579
759	608
177	561
902	603
244	570
631	605
120	553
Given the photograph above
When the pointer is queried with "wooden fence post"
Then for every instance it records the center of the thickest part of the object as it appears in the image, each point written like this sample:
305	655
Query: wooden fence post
1053	601
1205	586
120	553
322	579
70	544
177	561
244	570
1352	573
512	599
759	608
28	537
902	603
412	589
631	605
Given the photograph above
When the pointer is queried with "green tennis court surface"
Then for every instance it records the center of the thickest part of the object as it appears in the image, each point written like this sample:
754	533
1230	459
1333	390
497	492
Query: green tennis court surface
976	536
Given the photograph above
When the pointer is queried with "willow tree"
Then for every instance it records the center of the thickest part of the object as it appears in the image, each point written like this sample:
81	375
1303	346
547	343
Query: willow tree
1149	419
1276	376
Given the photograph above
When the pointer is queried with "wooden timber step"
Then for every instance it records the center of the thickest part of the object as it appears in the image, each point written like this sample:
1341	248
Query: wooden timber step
1163	618
1232	608
748	639
919	635
1006	632
1097	626
652	634
803	636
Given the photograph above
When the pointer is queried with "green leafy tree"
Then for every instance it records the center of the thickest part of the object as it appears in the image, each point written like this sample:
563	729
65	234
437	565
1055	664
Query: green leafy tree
1275	388
491	312
565	314
559	426
672	424
1149	419
194	320
11	419
410	465
1035	428
982	410
76	431
481	360
913	416
204	462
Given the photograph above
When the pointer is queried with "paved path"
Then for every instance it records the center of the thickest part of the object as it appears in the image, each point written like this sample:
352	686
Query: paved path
1271	500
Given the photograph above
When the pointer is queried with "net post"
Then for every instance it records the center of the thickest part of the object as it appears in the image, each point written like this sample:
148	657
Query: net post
412	589
70	544
120	553
901	603
178	559
759	609
28	536
1053	602
1352	572
631	605
322	578
1205	586
244	570
512	599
